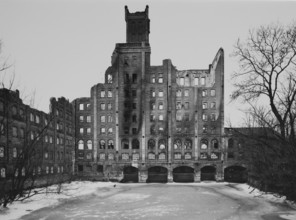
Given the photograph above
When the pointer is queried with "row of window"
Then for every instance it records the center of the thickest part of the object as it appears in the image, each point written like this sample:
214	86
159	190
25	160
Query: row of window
153	93
59	169
126	130
104	117
59	155
86	118
103	106
81	145
206	106
153	117
108	93
84	106
104	129
47	155
153	106
185	81
132	79
159	78
85	131
33	117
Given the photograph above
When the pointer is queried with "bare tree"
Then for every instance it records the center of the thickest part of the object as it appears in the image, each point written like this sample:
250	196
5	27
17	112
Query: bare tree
22	178
267	70
266	81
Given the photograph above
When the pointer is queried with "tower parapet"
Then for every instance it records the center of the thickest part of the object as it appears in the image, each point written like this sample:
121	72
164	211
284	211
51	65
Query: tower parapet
137	26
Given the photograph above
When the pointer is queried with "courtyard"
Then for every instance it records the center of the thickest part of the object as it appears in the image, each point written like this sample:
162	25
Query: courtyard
206	200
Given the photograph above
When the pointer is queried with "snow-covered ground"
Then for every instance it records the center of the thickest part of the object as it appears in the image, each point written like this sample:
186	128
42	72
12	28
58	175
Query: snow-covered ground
74	189
104	189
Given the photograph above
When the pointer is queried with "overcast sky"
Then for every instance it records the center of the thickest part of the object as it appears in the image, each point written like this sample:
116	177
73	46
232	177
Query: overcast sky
63	47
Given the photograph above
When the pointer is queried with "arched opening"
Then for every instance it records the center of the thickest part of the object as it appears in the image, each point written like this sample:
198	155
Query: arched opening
124	144
135	144
100	169
215	144
157	175
183	174
161	145
110	144
130	174
230	143
188	144
177	144
102	144
208	173
204	144
151	145
80	145
235	174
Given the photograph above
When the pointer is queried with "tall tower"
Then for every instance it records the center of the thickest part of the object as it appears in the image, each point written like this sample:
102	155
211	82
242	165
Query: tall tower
137	26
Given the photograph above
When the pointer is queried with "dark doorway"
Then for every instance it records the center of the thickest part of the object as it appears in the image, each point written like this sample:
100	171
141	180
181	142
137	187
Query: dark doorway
130	174
183	174
157	175
235	174
208	173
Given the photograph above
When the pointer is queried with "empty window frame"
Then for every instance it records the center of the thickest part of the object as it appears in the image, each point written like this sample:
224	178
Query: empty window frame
160	105
81	118
153	78
125	144
102	144
181	81
160	93
178	93
203	81
102	93
160	78
135	78
80	145
103	130
110	93
152	92
196	81
204	117
204	105
81	106
88	130
213	117
103	118
152	117
88	118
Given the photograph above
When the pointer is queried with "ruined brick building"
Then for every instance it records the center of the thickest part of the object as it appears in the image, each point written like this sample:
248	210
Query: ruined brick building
150	123
46	139
145	123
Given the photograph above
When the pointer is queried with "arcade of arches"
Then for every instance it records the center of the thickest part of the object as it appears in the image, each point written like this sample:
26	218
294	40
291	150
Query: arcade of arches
161	174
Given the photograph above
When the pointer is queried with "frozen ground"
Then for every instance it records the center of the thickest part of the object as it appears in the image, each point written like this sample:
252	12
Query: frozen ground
110	201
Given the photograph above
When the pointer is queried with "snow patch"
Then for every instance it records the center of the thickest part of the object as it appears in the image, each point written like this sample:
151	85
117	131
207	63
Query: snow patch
289	216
